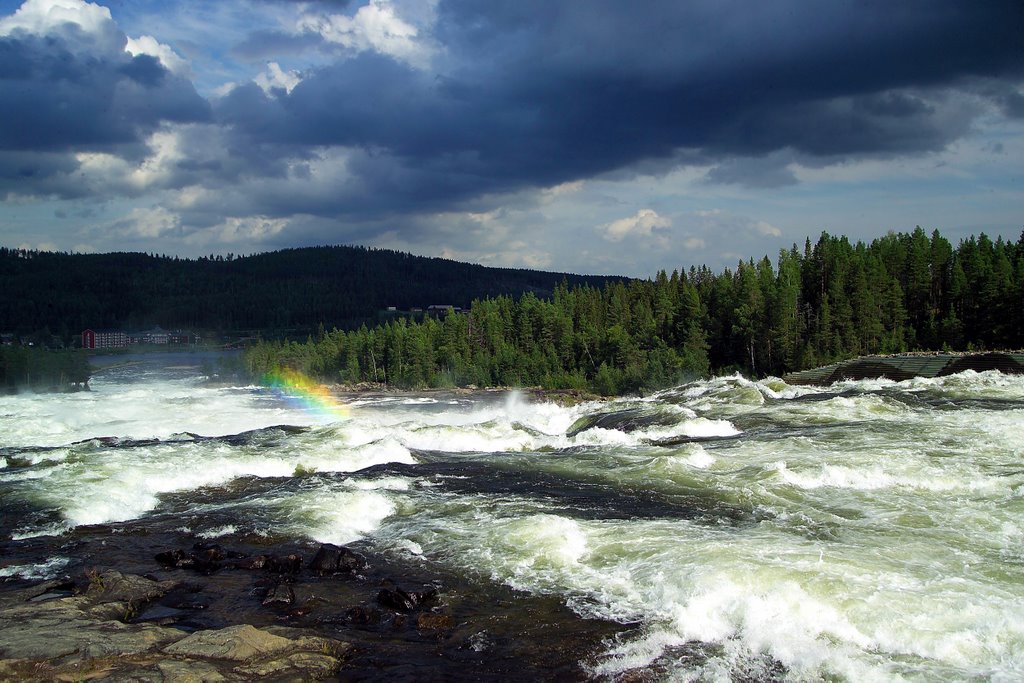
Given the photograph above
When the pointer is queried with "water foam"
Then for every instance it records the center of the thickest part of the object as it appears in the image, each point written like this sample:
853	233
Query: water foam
35	572
337	517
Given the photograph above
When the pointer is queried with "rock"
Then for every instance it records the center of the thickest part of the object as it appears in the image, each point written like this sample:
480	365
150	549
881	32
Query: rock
235	643
113	586
430	621
211	552
363	616
159	613
58	628
251	563
72	639
174	559
333	559
189	671
628	420
302	666
405	601
281	595
284	564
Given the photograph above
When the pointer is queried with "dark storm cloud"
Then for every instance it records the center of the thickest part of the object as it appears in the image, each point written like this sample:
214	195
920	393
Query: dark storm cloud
528	94
55	98
267	45
70	93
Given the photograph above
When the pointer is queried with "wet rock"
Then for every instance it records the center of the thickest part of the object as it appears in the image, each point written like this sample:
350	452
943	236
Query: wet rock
281	595
262	587
284	564
251	563
434	623
629	420
206	558
298	666
159	613
189	671
333	559
235	643
70	638
54	590
175	559
363	616
113	586
405	601
79	626
212	552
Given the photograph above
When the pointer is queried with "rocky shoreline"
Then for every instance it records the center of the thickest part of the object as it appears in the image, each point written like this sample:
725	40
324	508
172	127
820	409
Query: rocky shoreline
137	607
61	631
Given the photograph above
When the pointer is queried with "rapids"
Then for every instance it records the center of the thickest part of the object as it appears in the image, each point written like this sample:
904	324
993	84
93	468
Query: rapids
868	531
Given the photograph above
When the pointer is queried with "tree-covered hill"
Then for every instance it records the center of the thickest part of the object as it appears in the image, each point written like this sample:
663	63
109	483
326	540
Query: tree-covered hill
830	301
335	286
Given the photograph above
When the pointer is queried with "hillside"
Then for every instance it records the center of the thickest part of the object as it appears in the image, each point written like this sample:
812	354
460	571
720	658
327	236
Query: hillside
292	289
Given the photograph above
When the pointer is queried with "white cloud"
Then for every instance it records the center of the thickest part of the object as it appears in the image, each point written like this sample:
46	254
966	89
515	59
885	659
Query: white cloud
46	16
694	243
108	171
375	26
75	20
767	229
569	188
276	77
39	246
644	224
148	223
240	230
171	60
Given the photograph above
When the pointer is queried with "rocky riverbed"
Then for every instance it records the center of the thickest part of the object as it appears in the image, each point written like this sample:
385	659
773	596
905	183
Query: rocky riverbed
137	603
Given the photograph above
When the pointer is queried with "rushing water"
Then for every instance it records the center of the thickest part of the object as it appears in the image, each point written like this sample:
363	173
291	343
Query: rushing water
869	531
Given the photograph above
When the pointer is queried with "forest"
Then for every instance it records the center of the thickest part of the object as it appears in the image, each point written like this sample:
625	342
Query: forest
828	301
277	293
36	369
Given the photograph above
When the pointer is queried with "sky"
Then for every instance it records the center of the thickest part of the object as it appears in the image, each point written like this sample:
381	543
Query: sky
596	136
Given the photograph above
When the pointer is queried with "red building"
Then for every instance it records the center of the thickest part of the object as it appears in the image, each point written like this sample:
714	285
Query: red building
104	339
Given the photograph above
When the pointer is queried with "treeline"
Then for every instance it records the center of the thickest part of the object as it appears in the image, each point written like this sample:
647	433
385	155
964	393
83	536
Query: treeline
288	290
28	368
829	301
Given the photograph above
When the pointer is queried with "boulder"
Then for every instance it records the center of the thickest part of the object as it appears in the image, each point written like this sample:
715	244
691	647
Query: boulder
432	622
333	559
628	420
281	595
405	601
284	564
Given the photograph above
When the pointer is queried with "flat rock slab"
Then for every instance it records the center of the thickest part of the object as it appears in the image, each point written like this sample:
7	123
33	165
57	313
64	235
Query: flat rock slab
84	637
61	628
235	643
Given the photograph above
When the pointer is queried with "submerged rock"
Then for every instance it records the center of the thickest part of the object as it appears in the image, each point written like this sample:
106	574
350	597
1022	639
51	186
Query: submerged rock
281	595
284	564
405	601
333	559
628	420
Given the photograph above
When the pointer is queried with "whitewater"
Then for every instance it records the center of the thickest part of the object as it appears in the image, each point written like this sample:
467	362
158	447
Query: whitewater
871	530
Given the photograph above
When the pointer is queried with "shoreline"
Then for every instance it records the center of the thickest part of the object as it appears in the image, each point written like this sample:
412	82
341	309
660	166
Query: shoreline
143	600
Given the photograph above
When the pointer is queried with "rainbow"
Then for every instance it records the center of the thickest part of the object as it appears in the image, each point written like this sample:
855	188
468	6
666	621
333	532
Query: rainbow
305	392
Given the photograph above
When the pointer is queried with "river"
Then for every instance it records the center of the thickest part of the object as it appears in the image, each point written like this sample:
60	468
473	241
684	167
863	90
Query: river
719	530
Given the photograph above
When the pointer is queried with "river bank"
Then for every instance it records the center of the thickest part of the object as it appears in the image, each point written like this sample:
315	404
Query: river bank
144	601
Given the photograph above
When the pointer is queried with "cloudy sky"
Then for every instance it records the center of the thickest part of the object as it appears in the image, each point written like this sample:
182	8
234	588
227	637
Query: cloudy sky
593	136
